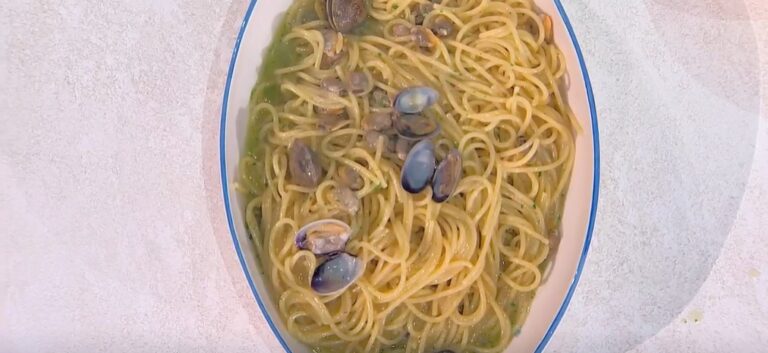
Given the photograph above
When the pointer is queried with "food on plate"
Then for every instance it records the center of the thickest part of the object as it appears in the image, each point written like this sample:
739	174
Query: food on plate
405	170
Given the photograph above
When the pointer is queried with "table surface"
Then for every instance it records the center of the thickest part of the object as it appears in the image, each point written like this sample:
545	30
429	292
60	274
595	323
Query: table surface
112	231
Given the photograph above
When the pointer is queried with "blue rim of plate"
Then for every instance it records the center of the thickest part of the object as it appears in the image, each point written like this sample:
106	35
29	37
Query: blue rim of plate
592	212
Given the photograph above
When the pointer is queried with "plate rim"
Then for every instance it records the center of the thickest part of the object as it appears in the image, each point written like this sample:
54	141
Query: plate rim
595	182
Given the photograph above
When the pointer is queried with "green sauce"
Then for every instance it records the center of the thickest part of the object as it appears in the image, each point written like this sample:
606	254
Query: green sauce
280	54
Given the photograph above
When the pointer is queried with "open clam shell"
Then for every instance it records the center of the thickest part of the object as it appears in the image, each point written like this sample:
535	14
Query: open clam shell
416	127
346	15
324	236
447	176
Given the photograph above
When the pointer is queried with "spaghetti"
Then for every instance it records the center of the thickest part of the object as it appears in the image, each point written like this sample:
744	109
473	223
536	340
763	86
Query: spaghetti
457	275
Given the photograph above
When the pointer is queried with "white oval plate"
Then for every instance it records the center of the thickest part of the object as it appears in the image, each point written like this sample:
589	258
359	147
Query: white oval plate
551	301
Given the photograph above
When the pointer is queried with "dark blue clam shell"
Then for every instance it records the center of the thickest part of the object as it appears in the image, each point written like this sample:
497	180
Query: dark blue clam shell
337	273
447	176
419	167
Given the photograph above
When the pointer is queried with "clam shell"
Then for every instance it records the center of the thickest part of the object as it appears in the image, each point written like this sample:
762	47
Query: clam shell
371	139
336	274
425	38
402	147
347	199
333	85
421	12
325	236
333	49
304	165
419	167
415	100
350	178
345	15
359	84
377	121
416	127
401	30
380	98
442	27
447	176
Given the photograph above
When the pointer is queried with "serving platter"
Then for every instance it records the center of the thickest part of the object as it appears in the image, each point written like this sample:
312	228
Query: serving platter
552	298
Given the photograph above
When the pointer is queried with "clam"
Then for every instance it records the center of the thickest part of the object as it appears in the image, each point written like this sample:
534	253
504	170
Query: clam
380	98
350	178
401	30
372	137
304	165
333	85
419	167
378	121
333	48
447	176
421	12
414	100
442	27
416	127
359	83
347	199
333	42
336	274
402	147
424	38
345	15
324	236
331	122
